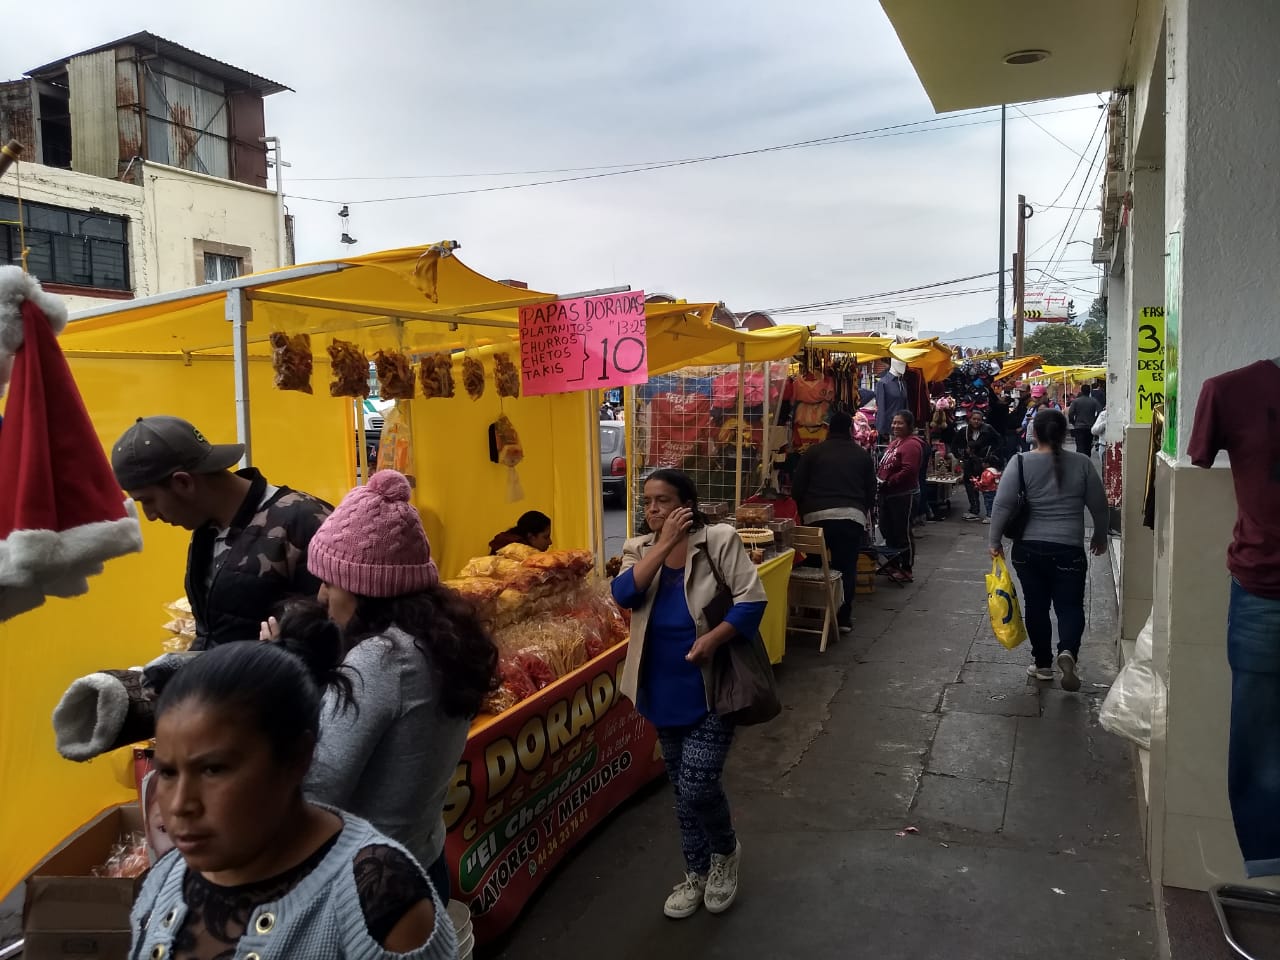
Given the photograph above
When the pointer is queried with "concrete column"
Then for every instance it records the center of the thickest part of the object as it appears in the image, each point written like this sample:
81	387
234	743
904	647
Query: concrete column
1222	216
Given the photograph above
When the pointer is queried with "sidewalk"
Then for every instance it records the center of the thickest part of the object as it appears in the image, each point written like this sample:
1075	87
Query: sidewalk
1028	840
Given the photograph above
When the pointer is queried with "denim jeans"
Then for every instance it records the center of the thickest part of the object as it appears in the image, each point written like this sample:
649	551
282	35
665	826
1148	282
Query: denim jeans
1253	763
1052	575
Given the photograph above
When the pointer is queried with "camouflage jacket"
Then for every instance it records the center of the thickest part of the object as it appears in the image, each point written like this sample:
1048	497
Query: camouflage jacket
264	563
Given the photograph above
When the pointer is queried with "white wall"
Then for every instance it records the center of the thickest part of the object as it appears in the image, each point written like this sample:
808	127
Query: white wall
185	207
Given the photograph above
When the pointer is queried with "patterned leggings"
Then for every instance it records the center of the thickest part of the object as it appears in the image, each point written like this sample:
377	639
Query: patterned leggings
695	762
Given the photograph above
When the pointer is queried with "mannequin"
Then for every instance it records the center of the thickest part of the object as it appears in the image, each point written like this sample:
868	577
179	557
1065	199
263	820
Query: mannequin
1239	412
891	396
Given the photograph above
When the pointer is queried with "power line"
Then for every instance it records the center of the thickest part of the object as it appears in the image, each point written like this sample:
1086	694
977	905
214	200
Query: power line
1084	184
1050	134
872	296
876	133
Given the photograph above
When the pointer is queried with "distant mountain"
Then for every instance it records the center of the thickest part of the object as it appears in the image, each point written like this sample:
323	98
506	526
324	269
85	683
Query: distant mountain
978	335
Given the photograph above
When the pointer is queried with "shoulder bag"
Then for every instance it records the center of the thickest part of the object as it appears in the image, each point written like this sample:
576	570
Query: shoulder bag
743	690
1017	525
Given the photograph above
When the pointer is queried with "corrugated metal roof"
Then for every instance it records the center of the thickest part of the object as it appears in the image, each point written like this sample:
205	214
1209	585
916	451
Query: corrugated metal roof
235	76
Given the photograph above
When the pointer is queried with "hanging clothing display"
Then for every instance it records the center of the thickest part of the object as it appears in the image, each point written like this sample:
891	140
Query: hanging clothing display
1239	412
891	397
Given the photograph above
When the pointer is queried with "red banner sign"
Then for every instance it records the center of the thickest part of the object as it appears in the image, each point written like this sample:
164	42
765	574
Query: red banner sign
534	782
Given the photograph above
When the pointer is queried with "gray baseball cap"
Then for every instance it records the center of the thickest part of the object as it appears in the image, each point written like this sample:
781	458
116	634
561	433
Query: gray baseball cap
155	448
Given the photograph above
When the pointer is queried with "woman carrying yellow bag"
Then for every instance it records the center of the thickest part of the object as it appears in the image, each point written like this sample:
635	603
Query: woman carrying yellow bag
1042	497
1002	605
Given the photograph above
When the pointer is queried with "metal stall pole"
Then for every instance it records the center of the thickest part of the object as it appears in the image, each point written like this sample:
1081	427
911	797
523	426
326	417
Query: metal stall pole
239	311
742	387
630	409
596	524
766	444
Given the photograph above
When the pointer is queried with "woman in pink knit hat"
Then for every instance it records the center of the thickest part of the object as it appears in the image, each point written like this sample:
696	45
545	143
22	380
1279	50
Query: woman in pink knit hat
421	664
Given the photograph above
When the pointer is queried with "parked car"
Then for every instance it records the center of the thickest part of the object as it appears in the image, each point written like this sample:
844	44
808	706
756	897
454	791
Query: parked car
613	460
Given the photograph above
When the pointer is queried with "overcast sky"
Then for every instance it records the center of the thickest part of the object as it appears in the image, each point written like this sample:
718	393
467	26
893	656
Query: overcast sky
414	89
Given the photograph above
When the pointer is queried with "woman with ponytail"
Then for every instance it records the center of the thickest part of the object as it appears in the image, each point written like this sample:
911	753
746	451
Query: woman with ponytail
419	664
1049	554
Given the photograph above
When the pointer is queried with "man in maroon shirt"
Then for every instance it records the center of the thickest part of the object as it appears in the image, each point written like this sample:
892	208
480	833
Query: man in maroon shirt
1239	412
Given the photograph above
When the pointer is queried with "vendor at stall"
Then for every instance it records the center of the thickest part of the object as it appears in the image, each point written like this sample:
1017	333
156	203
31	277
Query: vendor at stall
249	538
533	529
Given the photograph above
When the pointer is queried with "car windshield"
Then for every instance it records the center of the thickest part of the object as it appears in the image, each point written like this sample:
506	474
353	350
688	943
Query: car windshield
610	439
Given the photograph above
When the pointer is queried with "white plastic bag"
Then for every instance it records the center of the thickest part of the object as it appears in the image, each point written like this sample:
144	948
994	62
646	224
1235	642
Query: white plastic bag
1137	693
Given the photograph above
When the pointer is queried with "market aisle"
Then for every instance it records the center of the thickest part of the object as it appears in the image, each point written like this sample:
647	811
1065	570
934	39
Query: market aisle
1029	842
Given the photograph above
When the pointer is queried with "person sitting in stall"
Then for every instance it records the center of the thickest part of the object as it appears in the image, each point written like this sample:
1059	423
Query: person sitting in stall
533	529
249	538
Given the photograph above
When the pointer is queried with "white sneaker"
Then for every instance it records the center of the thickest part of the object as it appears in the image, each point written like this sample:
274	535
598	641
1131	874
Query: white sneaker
1070	677
686	898
970	516
987	521
1040	673
722	884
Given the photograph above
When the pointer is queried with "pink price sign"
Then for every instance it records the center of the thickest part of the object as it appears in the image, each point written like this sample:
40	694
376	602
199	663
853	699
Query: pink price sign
591	343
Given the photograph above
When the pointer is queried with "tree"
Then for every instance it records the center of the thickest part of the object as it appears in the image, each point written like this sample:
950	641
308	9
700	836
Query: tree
1095	328
1062	344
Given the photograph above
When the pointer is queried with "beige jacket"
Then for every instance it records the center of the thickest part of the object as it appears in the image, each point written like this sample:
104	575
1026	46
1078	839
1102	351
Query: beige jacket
718	543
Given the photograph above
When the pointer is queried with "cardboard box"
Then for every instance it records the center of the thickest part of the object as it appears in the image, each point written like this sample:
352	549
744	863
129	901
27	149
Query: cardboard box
70	914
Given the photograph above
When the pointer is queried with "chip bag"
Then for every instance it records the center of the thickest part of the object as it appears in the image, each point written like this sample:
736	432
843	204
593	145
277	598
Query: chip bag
1002	605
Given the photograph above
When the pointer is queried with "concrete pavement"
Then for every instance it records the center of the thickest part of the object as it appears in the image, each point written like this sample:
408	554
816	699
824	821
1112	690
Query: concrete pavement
1027	839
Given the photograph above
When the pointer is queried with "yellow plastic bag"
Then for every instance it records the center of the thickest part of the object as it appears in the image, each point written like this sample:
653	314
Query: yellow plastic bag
1002	605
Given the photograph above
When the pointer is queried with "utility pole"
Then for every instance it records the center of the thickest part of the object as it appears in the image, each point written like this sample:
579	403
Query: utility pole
282	240
1020	275
1000	294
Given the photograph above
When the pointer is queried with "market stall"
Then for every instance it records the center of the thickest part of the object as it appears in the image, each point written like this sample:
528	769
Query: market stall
281	360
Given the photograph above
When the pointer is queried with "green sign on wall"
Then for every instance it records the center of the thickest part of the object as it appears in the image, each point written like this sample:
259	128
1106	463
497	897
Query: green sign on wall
1172	324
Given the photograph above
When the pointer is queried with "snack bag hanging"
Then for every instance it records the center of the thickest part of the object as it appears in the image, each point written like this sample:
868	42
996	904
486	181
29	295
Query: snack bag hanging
1002	606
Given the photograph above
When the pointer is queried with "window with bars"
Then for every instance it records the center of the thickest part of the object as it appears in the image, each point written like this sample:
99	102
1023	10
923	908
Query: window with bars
73	247
219	267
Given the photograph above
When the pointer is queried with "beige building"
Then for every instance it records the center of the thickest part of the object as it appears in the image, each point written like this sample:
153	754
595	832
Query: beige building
145	170
1188	231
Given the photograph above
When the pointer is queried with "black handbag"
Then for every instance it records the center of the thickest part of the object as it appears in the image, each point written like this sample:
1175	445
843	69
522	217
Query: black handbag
743	689
1017	525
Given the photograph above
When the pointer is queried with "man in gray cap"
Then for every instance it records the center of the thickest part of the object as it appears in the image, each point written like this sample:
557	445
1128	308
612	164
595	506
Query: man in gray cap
249	538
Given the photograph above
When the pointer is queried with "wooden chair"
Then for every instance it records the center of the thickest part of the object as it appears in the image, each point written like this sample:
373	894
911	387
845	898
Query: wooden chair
812	600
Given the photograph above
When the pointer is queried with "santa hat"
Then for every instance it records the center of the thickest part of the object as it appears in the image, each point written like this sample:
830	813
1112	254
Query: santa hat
62	514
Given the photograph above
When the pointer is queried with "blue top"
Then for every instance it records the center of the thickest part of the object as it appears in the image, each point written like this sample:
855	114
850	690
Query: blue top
672	692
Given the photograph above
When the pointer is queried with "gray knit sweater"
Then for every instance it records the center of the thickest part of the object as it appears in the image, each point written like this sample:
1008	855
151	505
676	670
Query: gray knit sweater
319	919
392	761
1057	513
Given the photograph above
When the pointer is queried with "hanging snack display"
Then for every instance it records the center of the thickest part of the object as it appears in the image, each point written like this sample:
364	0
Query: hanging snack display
473	377
395	375
547	614
506	375
504	443
350	370
436	376
291	360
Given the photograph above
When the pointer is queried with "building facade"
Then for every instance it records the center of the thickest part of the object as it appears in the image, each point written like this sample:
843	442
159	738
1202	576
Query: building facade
884	323
144	171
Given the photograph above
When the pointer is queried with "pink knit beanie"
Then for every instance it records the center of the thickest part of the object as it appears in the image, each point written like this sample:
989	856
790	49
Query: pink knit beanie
373	545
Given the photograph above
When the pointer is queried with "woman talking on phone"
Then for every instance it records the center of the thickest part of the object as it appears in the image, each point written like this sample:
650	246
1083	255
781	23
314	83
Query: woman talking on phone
668	580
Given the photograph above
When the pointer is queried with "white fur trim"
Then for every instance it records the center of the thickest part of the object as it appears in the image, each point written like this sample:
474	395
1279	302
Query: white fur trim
15	287
88	719
32	558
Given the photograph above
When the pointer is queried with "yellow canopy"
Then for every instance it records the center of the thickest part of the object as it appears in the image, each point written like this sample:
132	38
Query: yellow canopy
683	335
930	357
1019	366
866	349
1071	374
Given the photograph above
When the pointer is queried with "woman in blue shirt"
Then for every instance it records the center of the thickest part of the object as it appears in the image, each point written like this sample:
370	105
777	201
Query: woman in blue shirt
668	580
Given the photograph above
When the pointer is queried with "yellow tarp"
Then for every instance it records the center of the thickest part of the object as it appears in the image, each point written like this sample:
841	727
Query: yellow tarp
683	335
1069	374
865	348
1019	366
931	358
